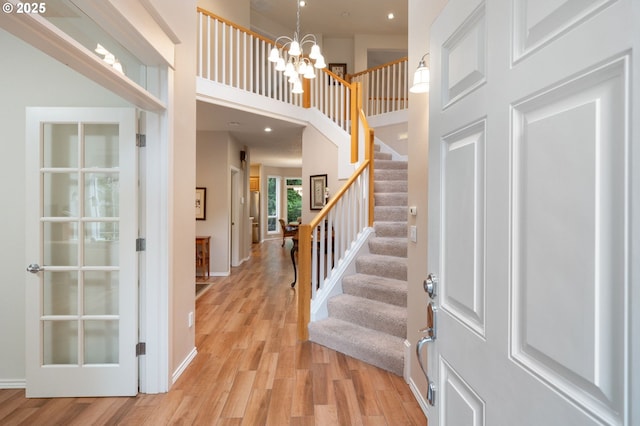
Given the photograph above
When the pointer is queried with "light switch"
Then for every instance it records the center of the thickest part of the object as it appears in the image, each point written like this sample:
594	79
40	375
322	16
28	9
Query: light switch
413	233
413	210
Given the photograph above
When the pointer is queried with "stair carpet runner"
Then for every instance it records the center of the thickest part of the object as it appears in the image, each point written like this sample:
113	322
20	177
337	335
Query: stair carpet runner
369	320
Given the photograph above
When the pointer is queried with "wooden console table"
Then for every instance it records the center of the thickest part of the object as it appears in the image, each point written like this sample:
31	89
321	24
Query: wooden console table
202	254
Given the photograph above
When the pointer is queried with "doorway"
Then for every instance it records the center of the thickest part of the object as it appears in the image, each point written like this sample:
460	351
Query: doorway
236	217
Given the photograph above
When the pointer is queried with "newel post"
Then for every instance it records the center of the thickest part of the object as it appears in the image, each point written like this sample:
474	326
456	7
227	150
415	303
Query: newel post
304	281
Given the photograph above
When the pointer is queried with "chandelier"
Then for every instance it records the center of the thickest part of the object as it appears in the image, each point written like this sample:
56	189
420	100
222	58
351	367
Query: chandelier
297	64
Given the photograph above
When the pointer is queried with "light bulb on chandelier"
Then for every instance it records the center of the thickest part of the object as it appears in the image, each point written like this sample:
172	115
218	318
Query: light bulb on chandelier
296	64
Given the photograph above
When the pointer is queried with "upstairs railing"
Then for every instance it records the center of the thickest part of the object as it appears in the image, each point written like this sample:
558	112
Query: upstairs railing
385	88
237	57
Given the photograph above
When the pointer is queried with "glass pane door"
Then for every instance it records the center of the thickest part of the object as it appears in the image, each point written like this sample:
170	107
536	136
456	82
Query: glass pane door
82	321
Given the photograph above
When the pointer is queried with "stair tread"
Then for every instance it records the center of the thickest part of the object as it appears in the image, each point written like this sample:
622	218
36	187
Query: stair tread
380	281
388	229
370	306
382	265
381	258
370	313
392	246
390	165
380	349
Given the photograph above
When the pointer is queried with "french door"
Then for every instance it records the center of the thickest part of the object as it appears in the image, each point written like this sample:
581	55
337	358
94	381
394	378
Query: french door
532	197
82	290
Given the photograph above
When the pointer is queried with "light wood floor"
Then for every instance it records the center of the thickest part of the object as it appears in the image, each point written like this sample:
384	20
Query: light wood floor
250	370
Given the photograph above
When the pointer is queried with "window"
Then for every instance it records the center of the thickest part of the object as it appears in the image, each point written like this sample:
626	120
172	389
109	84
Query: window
273	203
294	199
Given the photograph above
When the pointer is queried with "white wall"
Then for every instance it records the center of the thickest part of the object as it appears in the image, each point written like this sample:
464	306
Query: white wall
339	50
30	78
395	136
236	11
319	156
364	42
181	122
217	153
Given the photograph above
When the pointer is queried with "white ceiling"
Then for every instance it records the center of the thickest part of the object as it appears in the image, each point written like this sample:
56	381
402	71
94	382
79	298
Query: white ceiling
283	146
338	17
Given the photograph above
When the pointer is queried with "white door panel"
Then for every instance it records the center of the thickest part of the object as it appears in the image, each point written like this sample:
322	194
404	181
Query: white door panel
81	228
530	213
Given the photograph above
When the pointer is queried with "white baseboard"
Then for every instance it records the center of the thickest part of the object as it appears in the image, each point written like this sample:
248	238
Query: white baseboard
13	384
418	396
183	366
422	402
219	274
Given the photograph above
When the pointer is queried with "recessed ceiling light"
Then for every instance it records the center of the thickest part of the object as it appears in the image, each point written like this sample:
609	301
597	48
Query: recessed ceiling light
303	3
267	129
345	14
390	16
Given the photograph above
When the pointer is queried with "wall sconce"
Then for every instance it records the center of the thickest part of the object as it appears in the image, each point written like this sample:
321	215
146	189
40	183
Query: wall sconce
421	77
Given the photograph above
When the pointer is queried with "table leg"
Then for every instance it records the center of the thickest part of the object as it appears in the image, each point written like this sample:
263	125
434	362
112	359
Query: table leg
294	249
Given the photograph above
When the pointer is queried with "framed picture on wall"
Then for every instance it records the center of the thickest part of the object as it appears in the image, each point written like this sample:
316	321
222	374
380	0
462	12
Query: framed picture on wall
201	203
338	69
318	186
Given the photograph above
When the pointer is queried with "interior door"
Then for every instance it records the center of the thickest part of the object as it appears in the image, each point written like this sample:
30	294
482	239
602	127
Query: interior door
530	213
81	248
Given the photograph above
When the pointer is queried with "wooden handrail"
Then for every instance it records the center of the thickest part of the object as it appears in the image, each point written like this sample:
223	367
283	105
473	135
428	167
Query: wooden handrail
234	25
335	76
379	67
304	230
334	200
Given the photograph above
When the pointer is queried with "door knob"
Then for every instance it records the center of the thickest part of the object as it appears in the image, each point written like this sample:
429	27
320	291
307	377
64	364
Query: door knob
34	268
431	285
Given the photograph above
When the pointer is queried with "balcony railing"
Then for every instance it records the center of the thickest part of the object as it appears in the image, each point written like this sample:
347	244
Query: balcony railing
385	88
238	57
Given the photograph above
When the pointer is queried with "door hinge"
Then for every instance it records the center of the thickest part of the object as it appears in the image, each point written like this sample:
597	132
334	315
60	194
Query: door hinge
141	348
141	140
141	244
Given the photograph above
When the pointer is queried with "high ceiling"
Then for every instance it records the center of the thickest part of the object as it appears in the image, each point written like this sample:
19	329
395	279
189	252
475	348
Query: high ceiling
282	147
338	17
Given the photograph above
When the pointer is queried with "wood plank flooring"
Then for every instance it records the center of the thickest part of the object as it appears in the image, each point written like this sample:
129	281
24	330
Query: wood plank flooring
250	369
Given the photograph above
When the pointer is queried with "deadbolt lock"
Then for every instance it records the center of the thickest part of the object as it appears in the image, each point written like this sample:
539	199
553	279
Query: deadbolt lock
431	285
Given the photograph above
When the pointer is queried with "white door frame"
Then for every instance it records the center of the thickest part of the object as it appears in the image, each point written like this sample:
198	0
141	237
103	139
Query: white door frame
235	218
154	299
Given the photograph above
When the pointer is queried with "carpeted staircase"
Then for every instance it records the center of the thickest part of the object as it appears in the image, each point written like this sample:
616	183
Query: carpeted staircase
369	320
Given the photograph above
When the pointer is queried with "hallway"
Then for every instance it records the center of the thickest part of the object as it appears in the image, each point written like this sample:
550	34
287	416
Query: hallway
250	369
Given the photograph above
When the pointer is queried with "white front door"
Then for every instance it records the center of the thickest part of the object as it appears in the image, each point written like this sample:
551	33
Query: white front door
532	199
81	325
